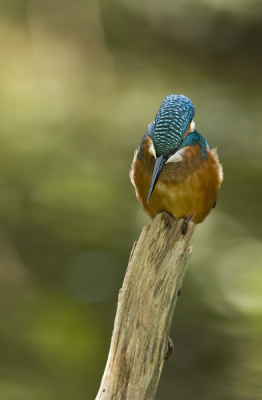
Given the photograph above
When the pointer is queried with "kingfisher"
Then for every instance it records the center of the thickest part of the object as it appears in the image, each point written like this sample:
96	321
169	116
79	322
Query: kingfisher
175	171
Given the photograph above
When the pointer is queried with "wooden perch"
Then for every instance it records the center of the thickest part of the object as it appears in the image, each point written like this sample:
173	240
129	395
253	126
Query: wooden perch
145	309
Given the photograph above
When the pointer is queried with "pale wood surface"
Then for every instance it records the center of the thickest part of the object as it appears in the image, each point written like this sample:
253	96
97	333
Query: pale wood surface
145	309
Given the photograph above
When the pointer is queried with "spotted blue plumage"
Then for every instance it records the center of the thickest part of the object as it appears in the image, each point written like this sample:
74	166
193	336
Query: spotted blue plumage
171	122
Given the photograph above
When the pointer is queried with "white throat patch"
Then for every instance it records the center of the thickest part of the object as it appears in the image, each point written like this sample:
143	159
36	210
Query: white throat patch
177	157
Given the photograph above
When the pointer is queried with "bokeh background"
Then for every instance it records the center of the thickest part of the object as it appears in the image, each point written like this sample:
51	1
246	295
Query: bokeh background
79	83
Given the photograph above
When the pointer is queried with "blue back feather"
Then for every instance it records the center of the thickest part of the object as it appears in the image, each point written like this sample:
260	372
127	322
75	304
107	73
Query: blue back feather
194	138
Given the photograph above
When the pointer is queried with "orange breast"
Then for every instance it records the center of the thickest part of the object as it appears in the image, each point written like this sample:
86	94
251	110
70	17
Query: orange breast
184	188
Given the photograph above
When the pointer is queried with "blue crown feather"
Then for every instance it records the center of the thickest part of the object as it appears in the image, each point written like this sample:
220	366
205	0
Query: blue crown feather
172	120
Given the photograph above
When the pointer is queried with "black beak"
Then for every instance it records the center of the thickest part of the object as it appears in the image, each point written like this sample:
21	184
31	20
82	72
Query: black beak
160	162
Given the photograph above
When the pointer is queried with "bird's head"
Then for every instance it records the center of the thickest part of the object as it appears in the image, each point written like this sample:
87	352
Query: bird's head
167	132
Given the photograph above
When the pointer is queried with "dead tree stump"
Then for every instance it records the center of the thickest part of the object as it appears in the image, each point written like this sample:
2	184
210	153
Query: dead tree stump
145	309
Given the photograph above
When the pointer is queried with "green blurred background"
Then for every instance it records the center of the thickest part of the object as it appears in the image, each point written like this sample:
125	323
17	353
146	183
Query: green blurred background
79	83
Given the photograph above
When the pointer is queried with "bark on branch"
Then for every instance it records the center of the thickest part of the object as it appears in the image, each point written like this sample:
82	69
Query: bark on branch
145	309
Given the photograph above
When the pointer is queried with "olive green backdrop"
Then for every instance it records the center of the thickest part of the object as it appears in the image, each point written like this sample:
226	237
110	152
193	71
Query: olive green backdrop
79	83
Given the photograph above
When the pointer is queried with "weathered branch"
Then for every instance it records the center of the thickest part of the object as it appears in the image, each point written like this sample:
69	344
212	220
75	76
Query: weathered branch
145	309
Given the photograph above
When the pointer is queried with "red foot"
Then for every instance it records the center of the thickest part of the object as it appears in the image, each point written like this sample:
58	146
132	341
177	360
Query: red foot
185	224
167	218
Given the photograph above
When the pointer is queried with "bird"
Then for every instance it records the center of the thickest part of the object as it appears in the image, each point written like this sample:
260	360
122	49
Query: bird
174	170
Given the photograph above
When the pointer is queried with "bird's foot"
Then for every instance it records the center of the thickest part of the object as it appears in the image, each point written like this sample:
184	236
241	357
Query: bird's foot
167	218
185	224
